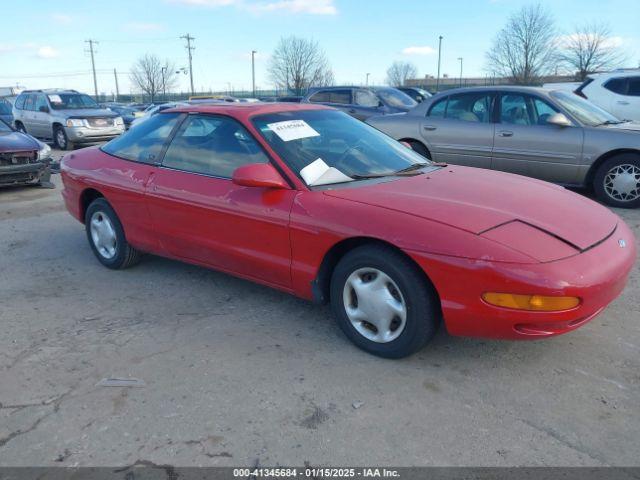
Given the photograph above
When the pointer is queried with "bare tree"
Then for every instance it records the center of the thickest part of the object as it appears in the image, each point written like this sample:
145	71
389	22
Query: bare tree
523	50
297	64
152	76
399	72
589	49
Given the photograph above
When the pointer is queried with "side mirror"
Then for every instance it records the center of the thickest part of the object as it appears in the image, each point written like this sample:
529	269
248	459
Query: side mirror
44	109
258	175
559	120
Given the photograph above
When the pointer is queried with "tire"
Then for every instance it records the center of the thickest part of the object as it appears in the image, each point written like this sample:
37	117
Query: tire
621	171
401	284
123	254
60	139
419	148
20	127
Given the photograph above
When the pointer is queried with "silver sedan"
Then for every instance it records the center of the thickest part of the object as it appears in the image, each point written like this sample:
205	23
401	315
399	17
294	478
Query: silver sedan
551	135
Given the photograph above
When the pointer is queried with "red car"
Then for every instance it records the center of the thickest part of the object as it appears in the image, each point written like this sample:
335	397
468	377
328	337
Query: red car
310	201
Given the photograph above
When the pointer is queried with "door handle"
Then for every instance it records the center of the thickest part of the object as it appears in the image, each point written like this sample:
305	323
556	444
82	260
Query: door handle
622	102
505	133
429	128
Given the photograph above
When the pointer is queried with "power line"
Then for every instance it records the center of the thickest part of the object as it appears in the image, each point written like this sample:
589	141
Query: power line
93	65
189	48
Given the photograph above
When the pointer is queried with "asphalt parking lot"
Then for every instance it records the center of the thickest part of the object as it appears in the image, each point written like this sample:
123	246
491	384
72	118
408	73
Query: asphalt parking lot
237	374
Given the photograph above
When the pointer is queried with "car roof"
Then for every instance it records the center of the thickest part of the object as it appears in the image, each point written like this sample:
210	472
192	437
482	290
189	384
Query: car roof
246	110
494	88
616	73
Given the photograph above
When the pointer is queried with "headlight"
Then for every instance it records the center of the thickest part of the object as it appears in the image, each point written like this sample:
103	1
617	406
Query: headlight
119	121
75	122
44	152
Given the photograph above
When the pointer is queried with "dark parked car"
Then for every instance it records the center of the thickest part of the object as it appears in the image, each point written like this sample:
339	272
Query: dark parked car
418	94
290	99
362	102
23	159
5	111
127	113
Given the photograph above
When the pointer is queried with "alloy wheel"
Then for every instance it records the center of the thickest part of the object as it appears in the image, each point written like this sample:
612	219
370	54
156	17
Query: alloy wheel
103	235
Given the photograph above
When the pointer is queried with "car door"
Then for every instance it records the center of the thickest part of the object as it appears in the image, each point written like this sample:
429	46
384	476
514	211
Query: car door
365	104
626	103
28	117
40	123
459	129
527	145
201	215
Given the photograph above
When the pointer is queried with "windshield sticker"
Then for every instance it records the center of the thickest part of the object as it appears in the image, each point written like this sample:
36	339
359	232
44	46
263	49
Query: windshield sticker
319	173
292	130
55	99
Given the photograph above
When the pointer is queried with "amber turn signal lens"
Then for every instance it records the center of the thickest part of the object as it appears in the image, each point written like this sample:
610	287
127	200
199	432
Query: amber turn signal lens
537	303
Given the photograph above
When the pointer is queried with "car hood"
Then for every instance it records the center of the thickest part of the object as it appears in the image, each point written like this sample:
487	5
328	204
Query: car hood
88	113
479	201
17	142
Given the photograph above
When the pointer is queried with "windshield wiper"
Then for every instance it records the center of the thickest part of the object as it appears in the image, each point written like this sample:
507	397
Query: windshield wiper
413	167
609	122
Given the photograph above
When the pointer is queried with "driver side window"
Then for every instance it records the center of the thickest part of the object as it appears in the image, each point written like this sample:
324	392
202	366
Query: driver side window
365	98
212	145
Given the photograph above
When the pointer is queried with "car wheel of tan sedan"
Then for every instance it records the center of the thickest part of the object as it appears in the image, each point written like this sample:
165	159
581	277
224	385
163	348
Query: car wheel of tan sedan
617	181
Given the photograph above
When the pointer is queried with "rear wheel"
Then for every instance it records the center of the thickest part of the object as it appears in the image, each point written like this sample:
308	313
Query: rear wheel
383	303
617	181
106	236
20	127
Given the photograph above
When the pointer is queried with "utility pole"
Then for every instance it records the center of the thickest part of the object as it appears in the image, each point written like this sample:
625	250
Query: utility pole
115	75
93	66
460	58
366	82
164	90
439	55
189	48
253	71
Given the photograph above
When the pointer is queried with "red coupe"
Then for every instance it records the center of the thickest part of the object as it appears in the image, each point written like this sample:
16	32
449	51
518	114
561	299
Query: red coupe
308	200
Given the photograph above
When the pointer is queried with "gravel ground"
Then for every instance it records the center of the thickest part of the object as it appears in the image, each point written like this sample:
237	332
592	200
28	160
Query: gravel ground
237	374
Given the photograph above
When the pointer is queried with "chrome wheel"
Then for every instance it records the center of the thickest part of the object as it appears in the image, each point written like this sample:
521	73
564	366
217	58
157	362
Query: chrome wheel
61	139
622	182
103	235
374	304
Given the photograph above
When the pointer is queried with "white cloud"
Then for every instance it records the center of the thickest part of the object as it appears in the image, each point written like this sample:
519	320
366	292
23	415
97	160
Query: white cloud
425	50
6	48
144	27
62	18
311	7
47	51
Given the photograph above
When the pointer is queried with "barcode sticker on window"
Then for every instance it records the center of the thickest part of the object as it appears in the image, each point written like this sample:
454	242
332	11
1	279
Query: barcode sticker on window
292	130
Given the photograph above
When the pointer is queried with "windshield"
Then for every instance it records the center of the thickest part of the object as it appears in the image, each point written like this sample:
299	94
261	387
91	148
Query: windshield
71	101
585	112
396	98
340	147
4	127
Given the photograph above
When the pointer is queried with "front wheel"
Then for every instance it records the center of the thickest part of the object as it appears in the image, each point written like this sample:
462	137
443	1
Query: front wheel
383	303
419	148
61	140
617	181
106	236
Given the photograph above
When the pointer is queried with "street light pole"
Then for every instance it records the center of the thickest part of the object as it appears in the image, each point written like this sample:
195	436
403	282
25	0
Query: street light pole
439	55
367	80
460	58
253	71
164	90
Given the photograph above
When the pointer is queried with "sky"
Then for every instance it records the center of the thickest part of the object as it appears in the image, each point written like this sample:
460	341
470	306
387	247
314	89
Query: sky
43	43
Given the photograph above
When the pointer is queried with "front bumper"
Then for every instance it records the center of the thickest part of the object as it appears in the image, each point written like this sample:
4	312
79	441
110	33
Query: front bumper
597	276
24	173
92	135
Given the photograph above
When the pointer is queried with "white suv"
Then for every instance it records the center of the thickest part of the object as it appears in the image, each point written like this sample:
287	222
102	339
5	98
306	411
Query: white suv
616	92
